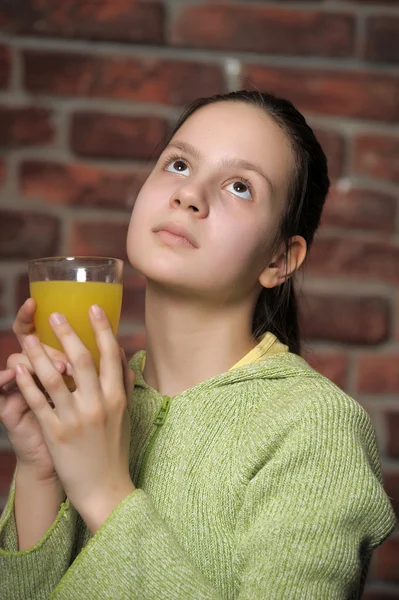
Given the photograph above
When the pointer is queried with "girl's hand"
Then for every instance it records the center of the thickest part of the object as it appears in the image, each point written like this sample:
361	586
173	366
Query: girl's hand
22	427
88	432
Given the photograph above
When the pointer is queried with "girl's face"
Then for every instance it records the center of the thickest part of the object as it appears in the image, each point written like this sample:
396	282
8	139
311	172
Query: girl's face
223	178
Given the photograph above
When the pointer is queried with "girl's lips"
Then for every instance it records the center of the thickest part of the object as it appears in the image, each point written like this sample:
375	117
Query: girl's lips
174	240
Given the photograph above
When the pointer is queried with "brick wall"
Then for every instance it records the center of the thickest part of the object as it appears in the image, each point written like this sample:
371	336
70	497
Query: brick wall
87	89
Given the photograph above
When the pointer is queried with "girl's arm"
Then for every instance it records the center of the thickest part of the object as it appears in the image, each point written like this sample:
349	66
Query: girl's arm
37	504
35	572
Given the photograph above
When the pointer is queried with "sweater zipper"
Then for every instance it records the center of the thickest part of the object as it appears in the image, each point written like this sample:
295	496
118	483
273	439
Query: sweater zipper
159	420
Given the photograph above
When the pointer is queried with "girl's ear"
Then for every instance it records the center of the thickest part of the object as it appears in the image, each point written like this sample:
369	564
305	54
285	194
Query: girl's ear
284	264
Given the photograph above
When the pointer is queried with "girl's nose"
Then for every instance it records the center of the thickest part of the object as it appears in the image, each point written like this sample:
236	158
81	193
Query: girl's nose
189	199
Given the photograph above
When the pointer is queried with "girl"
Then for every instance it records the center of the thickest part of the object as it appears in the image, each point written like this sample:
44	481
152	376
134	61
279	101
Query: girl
234	470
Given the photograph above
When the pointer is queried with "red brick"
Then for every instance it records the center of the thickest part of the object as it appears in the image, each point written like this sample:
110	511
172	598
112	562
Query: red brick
349	257
362	95
133	298
264	29
382	41
391	485
357	208
351	319
330	364
119	20
132	343
28	235
128	78
8	345
80	185
25	126
377	156
333	145
5	67
386	560
99	238
392	429
103	135
378	374
7	467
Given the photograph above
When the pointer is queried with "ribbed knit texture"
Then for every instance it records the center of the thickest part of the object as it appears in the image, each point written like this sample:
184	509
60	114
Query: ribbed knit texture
263	483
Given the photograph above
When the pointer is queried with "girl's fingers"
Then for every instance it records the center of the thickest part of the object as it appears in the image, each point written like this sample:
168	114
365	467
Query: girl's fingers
50	378
24	323
81	360
111	367
34	398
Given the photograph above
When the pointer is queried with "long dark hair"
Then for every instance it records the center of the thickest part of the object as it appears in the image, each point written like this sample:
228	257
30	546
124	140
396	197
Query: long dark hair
276	308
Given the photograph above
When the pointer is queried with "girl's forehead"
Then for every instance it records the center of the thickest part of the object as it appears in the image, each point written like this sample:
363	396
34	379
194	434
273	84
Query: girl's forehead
237	130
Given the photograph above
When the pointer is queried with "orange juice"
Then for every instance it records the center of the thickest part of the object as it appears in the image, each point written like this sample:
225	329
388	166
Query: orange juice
73	299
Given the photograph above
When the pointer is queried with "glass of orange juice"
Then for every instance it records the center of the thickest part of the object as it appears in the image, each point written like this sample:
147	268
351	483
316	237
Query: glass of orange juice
70	285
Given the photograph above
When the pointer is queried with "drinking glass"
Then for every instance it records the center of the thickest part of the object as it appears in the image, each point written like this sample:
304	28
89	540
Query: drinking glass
70	285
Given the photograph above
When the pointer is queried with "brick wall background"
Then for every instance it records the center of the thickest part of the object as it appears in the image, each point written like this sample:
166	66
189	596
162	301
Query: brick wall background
87	90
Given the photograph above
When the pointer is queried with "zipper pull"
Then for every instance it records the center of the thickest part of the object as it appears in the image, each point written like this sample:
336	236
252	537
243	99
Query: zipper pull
163	411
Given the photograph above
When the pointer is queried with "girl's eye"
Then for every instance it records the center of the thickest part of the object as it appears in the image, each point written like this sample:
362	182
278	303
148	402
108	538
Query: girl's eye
178	166
239	188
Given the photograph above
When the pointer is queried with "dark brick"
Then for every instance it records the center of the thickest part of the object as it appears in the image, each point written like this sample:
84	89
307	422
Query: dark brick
386	560
263	29
382	41
113	20
363	209
2	293
8	345
127	78
330	364
103	135
351	319
132	343
361	95
5	67
333	145
7	467
2	171
378	374
25	126
81	185
98	238
21	291
391	485
391	418
133	298
377	156
355	257
28	235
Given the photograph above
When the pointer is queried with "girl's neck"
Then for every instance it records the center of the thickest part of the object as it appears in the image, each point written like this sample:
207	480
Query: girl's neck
188	343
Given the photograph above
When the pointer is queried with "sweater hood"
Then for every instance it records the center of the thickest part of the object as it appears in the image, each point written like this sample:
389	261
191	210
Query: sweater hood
279	366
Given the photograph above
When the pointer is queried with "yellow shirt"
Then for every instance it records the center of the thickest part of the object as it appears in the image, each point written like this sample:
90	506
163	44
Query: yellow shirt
268	345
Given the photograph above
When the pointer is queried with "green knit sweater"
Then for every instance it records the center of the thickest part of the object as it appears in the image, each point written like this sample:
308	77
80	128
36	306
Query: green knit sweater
260	483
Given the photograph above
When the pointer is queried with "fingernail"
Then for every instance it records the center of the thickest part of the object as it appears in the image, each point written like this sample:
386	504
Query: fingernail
57	319
69	368
31	341
59	365
20	369
97	311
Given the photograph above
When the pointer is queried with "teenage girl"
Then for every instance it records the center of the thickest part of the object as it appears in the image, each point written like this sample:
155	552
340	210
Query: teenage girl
232	470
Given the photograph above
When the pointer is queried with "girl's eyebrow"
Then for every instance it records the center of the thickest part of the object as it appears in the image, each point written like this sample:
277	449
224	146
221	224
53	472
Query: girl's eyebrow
225	162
